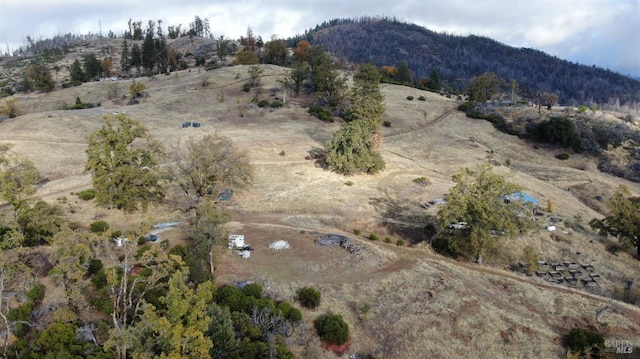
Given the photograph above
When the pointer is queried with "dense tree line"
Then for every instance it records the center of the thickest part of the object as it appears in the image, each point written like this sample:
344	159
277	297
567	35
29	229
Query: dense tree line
457	59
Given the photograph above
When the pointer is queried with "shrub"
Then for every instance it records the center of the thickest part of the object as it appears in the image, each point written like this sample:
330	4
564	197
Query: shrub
99	280
562	156
321	113
282	153
421	180
410	98
400	242
422	98
36	294
585	342
178	250
386	123
349	183
79	105
137	89
357	232
373	237
142	250
71	84
332	329
387	240
465	107
94	266
246	87
87	195
252	290
99	227
308	297
276	104
263	103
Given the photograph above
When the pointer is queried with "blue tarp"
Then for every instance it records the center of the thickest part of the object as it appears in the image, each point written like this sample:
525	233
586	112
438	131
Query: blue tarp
521	196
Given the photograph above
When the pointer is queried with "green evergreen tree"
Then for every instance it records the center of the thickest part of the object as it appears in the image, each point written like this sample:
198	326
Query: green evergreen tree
77	74
354	146
162	55
352	150
125	59
178	330
136	57
92	66
332	329
367	102
434	81
123	172
221	332
149	52
404	74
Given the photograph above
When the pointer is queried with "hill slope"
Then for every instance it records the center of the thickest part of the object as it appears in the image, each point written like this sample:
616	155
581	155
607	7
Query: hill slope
459	58
420	302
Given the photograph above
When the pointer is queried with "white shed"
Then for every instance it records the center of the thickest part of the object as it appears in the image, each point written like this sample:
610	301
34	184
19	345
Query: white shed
120	241
236	241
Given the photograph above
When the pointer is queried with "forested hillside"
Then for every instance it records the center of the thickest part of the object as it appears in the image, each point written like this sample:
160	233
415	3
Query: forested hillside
459	58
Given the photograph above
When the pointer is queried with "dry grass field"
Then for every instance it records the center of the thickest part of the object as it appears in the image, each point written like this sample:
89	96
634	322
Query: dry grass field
423	305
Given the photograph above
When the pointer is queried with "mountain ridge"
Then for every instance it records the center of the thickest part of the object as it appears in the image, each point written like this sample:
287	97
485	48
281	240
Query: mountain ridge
389	42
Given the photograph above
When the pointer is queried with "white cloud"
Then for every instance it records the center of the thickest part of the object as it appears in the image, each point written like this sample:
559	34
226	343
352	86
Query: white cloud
601	32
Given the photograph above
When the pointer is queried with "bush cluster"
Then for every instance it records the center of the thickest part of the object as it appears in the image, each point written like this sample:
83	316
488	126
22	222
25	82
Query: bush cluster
558	131
99	227
585	342
321	113
308	297
87	195
79	105
71	84
332	329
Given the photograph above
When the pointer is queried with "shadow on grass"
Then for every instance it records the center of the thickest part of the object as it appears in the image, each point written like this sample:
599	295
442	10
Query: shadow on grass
404	219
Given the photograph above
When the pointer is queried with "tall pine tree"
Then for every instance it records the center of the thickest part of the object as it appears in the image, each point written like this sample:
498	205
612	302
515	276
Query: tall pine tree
125	60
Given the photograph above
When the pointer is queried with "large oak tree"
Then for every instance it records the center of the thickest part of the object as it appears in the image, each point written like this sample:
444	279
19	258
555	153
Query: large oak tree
476	216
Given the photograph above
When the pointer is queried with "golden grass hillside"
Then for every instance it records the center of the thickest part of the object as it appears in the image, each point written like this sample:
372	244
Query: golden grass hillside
422	304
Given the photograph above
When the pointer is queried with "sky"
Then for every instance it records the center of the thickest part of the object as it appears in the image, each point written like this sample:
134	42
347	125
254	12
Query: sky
605	33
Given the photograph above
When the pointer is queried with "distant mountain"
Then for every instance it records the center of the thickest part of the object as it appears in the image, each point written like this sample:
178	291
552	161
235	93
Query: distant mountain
458	59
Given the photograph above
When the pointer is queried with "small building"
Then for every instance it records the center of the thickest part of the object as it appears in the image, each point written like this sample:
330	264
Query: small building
120	241
236	241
